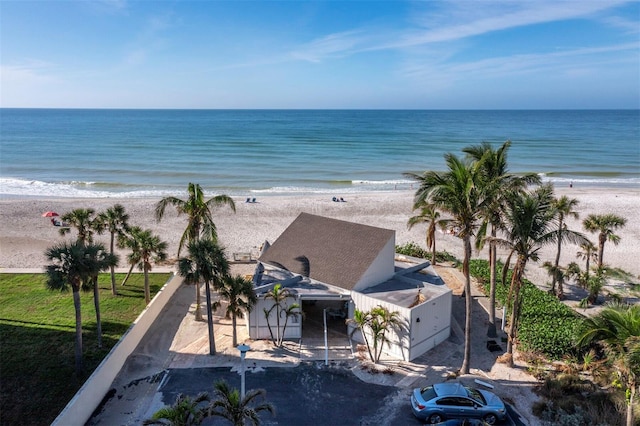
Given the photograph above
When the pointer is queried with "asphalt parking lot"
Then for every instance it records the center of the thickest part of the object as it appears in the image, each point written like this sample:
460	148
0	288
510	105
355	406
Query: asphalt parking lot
309	394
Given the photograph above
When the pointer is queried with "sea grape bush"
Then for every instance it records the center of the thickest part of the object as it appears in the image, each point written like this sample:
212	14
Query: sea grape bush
414	250
546	325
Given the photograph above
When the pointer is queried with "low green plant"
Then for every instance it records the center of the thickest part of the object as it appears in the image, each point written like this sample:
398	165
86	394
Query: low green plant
414	250
546	325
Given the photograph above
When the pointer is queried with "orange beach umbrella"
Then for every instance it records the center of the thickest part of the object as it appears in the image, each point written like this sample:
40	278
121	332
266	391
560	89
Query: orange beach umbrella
50	214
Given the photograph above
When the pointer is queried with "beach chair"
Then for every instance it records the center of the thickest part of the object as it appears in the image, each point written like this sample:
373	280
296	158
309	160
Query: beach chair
248	200
253	201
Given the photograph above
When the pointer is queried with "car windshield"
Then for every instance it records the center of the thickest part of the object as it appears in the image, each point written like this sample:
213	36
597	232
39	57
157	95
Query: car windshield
428	393
476	396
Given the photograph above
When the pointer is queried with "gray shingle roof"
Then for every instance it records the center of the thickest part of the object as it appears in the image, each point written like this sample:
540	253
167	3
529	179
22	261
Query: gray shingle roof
327	250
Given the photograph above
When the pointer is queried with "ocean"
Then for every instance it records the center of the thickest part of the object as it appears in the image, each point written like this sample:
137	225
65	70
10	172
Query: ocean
149	153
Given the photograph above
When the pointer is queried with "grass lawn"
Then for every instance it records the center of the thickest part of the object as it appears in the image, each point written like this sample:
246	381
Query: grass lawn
37	338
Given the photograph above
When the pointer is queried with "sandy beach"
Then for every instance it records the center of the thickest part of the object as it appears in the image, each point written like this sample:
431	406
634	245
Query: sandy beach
25	234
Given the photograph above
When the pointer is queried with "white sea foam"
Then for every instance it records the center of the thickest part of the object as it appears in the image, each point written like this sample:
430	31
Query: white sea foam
35	188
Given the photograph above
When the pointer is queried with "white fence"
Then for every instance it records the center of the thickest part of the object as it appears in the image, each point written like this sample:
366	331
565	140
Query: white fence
78	411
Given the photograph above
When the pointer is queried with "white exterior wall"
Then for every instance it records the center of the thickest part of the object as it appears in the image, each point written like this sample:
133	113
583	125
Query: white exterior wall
398	339
434	326
417	337
257	323
381	269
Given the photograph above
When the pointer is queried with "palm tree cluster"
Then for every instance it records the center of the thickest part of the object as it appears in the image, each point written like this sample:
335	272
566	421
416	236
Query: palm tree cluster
281	307
228	404
485	203
206	261
375	326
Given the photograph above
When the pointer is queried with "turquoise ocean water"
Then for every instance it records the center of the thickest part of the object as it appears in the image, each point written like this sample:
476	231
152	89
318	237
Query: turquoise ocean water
135	153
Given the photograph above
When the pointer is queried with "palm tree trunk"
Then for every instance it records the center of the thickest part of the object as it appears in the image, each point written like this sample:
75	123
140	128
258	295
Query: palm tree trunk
516	282
278	323
96	304
235	333
601	240
212	340
112	269
493	264
78	349
464	369
554	278
128	275
630	405
198	312
147	293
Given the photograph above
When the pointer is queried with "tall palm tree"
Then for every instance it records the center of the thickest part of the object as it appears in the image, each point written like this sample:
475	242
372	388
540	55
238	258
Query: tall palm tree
229	405
83	221
617	329
588	252
428	214
86	224
198	210
529	227
459	193
74	265
564	207
184	412
605	225
497	182
240	297
146	248
115	221
206	263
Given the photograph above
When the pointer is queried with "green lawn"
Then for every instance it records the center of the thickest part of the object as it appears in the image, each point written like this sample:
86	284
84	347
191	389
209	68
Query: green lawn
37	338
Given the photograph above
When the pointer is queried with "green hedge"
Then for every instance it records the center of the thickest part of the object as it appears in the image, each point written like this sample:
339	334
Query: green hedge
546	325
414	250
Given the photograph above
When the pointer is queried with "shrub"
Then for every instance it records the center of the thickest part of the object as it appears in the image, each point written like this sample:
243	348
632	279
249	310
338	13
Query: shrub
546	325
414	250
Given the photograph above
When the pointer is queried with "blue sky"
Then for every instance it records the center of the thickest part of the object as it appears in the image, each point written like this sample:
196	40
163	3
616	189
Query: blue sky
332	54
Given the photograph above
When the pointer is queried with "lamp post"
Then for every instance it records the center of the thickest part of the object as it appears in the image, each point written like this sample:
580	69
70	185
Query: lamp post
243	351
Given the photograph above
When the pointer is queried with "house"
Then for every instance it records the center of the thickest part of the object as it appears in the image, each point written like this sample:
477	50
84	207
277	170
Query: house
341	266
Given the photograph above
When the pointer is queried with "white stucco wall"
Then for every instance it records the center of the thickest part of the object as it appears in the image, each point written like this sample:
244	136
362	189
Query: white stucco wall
258	328
418	336
434	326
381	269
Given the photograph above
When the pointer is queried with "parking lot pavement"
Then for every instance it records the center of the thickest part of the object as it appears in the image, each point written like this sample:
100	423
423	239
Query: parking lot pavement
309	394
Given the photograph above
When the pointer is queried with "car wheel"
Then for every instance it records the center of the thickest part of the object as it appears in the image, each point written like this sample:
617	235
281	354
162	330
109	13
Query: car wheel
435	418
490	419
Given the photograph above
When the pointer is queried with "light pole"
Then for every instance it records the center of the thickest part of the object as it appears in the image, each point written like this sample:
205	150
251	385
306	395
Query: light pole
243	351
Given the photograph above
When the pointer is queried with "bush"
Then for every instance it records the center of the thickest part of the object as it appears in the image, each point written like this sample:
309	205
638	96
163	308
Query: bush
546	325
414	250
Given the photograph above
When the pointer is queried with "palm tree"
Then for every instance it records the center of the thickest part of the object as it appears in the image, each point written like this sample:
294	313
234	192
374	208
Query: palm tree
529	220
145	249
238	411
198	211
86	224
114	220
83	221
240	297
183	412
279	295
497	183
617	329
360	322
206	263
74	265
459	193
588	252
382	322
604	224
428	214
563	208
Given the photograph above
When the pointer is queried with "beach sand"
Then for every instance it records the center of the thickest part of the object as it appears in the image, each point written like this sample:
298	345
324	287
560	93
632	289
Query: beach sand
25	234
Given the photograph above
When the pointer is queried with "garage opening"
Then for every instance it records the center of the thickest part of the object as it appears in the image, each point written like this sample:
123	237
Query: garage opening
313	319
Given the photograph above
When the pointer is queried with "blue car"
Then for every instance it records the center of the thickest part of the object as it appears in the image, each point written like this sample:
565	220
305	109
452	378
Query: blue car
443	401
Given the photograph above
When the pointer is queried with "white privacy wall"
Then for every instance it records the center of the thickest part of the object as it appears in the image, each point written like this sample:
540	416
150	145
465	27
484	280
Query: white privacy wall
257	323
